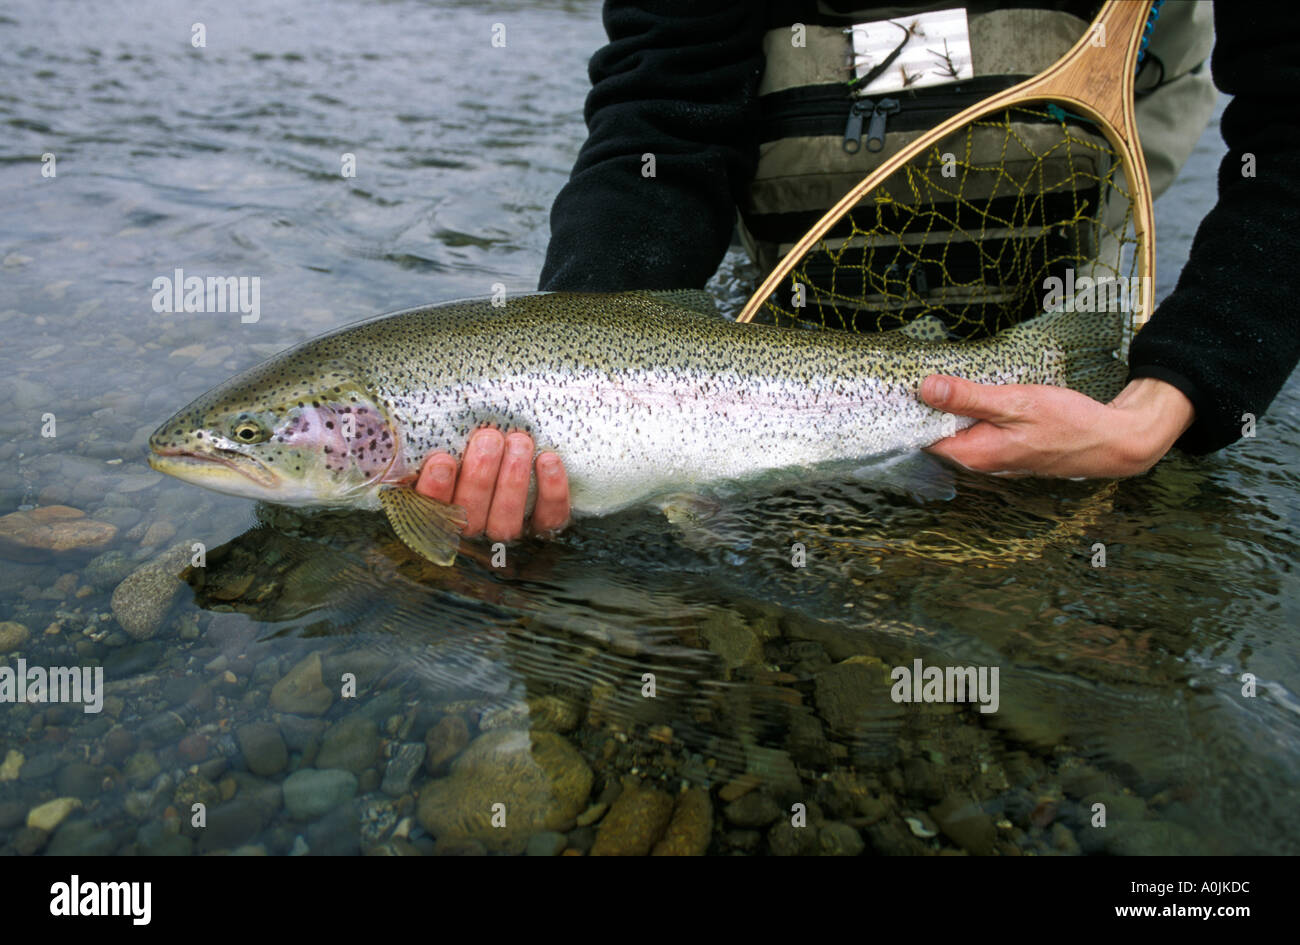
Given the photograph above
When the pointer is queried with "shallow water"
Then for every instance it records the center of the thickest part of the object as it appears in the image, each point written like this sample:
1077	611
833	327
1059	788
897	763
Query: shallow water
1118	685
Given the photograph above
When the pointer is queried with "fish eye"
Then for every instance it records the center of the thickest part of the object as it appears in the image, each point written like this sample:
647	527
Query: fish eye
250	431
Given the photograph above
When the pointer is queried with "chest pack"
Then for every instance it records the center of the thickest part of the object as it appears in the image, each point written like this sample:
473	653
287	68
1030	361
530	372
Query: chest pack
832	111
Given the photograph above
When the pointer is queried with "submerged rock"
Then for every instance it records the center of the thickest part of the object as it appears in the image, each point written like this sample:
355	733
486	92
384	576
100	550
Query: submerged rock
54	528
445	741
402	768
965	824
141	602
13	636
49	815
691	827
351	744
538	777
263	748
302	691
312	793
634	823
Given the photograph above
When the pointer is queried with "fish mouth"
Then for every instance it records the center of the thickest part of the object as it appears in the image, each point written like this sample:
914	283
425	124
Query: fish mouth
188	464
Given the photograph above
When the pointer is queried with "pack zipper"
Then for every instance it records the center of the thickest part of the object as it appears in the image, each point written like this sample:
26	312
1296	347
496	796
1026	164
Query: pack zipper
813	111
879	112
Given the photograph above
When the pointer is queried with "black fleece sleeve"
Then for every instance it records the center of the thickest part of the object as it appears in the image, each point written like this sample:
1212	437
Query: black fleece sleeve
678	80
1227	336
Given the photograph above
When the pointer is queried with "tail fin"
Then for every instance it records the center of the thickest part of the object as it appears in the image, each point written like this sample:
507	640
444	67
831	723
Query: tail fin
1093	346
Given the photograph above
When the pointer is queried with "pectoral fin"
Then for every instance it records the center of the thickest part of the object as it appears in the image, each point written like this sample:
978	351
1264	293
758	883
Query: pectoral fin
428	527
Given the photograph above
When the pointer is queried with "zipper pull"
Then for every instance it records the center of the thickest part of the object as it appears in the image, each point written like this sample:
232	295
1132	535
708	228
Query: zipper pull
853	131
876	130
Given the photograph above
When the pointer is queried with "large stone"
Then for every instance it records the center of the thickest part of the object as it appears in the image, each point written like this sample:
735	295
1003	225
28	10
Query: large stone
445	741
691	827
53	528
263	748
634	823
141	602
402	768
13	636
234	822
351	744
302	691
12	764
728	635
312	793
49	815
540	780
965	824
854	694
755	809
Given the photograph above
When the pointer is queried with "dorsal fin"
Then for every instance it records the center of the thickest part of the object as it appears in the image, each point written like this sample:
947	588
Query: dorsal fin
697	300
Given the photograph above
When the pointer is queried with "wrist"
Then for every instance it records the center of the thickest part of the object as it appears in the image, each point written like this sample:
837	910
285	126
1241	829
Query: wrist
1156	414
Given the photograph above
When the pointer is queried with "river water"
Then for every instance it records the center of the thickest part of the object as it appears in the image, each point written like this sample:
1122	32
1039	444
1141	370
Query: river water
312	688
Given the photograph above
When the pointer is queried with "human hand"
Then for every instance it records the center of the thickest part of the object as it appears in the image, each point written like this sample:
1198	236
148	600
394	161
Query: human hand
1037	430
492	486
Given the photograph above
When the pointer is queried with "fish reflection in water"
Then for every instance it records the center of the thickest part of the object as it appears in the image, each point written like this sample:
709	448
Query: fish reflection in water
582	621
568	634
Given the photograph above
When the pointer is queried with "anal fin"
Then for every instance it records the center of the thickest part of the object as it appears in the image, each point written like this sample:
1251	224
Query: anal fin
428	527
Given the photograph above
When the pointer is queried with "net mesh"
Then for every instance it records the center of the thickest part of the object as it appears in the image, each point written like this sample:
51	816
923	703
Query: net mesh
973	232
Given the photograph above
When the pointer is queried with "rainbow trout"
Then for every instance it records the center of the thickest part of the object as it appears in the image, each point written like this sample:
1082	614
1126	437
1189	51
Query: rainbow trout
640	395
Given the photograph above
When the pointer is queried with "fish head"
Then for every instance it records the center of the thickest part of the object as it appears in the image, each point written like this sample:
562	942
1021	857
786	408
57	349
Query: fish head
284	432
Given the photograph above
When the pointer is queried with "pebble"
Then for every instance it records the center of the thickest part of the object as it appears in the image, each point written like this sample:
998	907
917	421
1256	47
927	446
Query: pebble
302	691
1118	806
546	843
734	790
119	742
921	827
29	840
142	768
157	533
12	764
312	793
165	728
107	570
146	595
540	778
195	789
635	822
553	713
756	809
49	815
55	528
351	744
13	636
965	824
837	839
853	697
135	659
79	779
193	748
728	635
39	767
1152	838
81	838
445	741
231	824
338	833
691	828
402	768
263	748
785	839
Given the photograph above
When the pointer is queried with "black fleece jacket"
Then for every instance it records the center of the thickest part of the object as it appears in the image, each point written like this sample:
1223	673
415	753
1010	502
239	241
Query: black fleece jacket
679	78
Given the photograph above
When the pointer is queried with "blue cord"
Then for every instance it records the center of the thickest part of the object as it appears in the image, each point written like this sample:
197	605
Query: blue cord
1147	30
